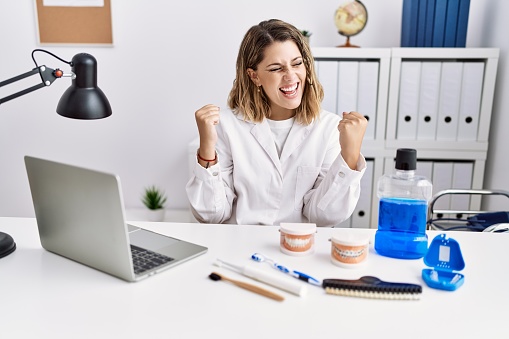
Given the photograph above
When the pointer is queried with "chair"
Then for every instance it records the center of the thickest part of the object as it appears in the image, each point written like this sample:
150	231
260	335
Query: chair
459	221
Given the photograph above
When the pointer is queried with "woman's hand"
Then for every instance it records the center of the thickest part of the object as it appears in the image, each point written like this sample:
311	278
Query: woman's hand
351	132
207	118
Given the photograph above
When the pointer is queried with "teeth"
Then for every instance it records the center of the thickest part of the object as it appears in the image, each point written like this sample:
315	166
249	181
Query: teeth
296	242
348	253
289	89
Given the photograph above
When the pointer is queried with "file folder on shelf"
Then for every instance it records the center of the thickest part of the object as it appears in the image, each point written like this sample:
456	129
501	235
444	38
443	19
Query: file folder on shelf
362	214
430	21
451	23
428	100
439	23
328	76
434	23
348	77
389	165
421	23
461	30
409	23
442	179
408	100
345	224
367	95
450	94
425	168
461	179
470	105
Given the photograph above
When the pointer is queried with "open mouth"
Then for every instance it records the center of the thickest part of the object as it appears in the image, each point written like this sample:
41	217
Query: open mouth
290	91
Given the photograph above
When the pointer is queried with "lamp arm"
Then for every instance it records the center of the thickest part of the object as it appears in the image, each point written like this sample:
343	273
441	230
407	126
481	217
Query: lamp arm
48	76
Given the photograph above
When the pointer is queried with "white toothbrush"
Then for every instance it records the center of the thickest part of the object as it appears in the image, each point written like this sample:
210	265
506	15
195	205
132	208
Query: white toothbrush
275	280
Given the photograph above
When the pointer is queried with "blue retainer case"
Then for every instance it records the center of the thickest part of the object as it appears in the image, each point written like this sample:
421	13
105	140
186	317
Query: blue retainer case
444	255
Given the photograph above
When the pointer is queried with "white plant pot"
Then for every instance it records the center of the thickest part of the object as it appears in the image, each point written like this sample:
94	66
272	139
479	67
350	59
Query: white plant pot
155	215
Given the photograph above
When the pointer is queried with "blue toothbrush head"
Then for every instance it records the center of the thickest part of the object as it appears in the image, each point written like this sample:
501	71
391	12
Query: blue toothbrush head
257	257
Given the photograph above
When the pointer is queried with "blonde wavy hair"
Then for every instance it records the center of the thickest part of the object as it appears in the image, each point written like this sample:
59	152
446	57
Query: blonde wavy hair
244	96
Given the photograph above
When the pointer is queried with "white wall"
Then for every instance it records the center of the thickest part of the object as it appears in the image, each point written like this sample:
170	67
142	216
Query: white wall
494	34
169	58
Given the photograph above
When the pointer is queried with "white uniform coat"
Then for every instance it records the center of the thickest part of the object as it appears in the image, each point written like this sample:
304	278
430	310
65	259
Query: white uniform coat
251	185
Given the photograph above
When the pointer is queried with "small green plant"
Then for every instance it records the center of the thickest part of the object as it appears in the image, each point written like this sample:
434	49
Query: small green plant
154	198
306	33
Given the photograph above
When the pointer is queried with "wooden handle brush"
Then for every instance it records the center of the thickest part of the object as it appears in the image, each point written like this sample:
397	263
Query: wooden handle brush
253	288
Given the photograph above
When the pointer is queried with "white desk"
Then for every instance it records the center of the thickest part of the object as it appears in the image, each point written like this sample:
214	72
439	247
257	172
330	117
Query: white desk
47	296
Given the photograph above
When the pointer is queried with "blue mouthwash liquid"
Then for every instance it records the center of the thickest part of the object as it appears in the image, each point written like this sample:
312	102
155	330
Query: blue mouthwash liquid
402	228
403	210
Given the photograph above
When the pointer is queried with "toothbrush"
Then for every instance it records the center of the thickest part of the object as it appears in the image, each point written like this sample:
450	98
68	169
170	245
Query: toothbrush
266	277
253	288
296	274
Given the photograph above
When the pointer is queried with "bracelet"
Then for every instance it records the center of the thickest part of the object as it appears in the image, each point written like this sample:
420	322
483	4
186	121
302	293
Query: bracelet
205	160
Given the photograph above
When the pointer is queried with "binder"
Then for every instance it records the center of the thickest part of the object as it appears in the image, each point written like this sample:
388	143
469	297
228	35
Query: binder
462	178
450	93
368	94
362	214
410	15
461	31
408	100
346	223
442	180
328	76
424	168
470	104
451	23
389	165
421	22
428	100
439	23
348	79
430	22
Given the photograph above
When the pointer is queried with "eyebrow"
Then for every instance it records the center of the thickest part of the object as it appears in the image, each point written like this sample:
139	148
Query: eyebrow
279	64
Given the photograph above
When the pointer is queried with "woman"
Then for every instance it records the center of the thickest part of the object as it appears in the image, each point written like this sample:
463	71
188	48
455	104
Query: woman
275	156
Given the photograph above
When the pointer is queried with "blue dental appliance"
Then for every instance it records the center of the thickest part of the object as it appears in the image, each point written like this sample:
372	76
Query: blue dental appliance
445	258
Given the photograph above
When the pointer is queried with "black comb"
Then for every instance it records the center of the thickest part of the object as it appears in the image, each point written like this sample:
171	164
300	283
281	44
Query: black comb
372	287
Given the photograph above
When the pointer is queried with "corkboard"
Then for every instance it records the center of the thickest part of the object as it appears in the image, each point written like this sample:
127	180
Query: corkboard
74	25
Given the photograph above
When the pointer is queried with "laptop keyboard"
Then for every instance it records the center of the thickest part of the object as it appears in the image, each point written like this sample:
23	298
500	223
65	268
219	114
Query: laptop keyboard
145	260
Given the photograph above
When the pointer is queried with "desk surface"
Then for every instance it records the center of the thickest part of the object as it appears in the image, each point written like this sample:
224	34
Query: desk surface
47	296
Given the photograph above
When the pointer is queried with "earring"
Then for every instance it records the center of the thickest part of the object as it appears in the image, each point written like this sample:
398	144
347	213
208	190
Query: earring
258	89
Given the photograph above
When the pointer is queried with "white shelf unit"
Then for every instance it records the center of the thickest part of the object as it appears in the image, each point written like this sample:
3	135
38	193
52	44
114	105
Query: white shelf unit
442	156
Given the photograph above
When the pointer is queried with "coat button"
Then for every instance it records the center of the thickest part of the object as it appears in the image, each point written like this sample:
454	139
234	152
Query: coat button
215	174
341	174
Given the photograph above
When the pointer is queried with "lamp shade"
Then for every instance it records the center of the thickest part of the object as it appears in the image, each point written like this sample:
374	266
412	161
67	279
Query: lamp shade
83	99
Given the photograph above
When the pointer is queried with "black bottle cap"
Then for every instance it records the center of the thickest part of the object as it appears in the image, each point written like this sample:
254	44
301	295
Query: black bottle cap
406	159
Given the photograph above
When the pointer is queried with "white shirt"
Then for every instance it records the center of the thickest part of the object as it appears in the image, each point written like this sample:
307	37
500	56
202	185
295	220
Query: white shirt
280	130
250	184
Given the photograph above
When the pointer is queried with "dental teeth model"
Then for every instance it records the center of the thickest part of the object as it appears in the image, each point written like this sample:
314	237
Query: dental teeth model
348	250
297	239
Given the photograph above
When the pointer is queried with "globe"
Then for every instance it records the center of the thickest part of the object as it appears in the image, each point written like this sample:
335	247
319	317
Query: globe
350	19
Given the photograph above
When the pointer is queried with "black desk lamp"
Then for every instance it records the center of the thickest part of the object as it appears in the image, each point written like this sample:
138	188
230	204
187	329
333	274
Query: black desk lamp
82	100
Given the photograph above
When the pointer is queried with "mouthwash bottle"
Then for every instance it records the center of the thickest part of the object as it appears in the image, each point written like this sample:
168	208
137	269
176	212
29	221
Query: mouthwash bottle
403	210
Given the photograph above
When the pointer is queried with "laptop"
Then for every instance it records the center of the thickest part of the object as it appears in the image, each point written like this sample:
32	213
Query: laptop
80	216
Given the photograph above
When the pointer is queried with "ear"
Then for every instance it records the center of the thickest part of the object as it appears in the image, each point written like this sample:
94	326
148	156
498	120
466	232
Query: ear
253	76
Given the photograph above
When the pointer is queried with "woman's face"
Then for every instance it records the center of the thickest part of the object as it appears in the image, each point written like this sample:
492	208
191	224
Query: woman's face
282	76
